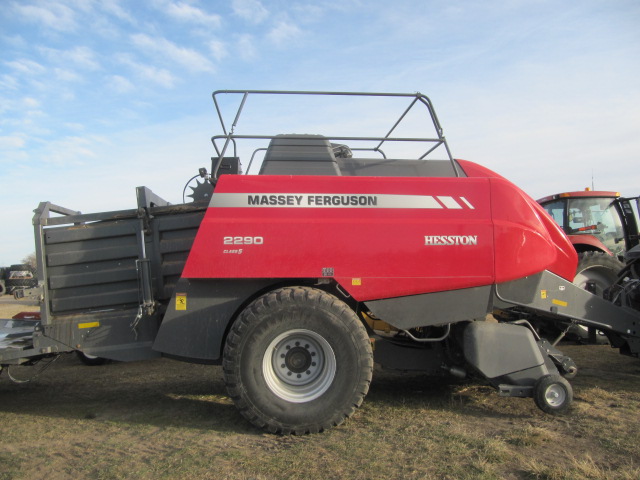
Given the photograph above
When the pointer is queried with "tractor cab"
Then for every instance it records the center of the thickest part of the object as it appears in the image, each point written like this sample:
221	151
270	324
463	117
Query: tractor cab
596	220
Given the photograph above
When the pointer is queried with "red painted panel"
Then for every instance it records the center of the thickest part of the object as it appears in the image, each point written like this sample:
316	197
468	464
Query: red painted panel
379	237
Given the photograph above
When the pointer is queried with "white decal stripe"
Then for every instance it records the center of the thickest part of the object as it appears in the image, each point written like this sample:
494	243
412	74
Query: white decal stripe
334	200
467	203
449	202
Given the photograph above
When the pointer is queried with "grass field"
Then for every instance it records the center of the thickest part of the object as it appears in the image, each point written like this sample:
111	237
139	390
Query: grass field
164	419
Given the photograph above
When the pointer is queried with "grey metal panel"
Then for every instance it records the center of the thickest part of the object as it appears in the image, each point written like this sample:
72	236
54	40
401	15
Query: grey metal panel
112	336
86	217
173	233
376	167
299	155
432	309
97	298
92	266
177	219
91	278
90	273
497	349
171	268
555	297
89	231
198	331
86	255
183	244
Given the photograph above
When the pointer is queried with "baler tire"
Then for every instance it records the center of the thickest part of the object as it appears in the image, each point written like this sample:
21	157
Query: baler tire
21	282
90	360
297	360
553	394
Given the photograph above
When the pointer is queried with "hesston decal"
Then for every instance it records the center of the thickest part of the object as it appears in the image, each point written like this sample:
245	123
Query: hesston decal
431	240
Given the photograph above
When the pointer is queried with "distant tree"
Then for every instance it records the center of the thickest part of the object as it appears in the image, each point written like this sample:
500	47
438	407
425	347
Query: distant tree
31	260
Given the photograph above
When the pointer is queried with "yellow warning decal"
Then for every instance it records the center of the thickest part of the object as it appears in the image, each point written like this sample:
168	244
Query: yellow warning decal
89	325
559	302
181	301
356	281
543	294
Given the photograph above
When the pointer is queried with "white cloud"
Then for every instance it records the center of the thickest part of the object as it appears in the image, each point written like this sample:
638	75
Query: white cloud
246	46
8	82
284	31
159	76
28	67
15	40
53	15
30	102
66	76
186	57
119	84
218	49
113	7
188	13
82	57
71	150
250	10
12	141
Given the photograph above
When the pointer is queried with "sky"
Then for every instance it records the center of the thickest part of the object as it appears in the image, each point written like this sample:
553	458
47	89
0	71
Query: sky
100	96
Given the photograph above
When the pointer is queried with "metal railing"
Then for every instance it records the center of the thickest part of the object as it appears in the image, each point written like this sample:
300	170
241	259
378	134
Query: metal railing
229	135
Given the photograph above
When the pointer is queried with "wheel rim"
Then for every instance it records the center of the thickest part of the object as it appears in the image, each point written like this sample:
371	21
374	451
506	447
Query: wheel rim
602	278
555	395
299	366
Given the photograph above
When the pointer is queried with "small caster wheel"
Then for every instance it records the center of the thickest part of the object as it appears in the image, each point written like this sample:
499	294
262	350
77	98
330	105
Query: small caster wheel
553	394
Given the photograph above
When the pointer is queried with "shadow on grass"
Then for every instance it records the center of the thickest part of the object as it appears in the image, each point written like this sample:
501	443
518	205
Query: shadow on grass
168	393
162	393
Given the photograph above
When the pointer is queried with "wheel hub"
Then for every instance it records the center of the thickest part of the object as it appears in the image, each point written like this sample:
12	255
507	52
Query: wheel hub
299	366
298	359
555	395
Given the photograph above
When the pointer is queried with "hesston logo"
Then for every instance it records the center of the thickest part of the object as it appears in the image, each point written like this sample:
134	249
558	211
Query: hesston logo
431	240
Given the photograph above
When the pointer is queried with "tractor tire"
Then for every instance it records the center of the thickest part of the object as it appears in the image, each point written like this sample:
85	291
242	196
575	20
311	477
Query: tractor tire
21	276
599	268
553	394
297	361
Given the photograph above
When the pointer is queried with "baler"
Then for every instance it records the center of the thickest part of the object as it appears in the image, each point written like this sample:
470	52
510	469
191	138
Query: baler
326	256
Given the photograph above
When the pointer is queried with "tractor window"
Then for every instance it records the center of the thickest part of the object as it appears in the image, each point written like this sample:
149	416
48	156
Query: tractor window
556	210
597	217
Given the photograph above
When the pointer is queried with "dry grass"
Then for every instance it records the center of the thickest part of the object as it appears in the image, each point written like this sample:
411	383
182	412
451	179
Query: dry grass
164	419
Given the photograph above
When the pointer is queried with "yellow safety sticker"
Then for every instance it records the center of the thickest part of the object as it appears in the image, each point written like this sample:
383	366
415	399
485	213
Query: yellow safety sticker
562	303
181	301
89	325
356	281
543	294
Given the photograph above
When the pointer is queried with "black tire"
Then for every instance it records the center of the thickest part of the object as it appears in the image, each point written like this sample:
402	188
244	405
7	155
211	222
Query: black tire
597	267
90	360
553	394
26	277
297	361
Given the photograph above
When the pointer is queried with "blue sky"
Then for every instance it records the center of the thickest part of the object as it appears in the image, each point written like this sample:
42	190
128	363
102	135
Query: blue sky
100	96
